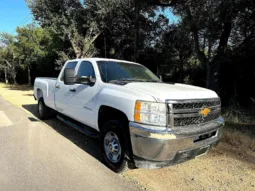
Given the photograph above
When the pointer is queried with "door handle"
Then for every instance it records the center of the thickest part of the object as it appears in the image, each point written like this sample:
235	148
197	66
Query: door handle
73	90
57	86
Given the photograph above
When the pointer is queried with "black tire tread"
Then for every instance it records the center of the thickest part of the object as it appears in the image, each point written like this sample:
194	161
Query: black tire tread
115	126
46	110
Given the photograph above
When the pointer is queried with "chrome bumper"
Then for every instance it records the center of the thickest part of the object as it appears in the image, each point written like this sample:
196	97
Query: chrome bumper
155	149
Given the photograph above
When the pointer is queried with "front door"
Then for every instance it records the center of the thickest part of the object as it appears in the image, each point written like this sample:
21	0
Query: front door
83	99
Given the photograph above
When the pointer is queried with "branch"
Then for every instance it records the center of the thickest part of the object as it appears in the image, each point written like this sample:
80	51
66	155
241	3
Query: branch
77	53
95	37
7	62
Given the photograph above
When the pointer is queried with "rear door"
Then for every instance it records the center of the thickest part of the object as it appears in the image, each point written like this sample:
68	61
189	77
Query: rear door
62	91
83	98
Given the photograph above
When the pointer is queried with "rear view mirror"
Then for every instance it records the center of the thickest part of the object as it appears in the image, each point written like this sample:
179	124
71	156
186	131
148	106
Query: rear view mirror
69	76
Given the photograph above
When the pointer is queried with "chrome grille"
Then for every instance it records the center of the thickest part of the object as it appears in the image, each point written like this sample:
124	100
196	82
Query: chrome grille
184	113
186	121
196	105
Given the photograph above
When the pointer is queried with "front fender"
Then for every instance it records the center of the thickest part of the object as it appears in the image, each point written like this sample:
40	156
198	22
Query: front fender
121	98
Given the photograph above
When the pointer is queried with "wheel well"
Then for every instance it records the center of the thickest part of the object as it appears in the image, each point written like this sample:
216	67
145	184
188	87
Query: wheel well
107	113
39	94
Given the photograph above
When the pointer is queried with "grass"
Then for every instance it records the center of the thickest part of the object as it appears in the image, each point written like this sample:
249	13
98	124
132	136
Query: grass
240	135
15	87
17	94
240	127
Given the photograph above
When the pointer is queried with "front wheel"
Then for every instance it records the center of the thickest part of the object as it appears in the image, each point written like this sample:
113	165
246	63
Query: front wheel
112	145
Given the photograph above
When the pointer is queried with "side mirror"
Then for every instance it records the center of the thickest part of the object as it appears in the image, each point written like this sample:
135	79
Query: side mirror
83	80
88	80
69	76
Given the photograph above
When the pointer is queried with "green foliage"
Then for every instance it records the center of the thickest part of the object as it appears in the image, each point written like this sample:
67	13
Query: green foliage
70	22
8	56
32	44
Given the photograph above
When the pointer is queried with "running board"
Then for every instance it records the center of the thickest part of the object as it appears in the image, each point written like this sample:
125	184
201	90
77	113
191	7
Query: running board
79	126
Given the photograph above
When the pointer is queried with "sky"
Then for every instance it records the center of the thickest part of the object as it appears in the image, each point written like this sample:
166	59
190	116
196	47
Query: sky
13	13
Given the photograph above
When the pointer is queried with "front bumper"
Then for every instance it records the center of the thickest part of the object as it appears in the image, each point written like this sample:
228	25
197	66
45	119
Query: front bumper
156	149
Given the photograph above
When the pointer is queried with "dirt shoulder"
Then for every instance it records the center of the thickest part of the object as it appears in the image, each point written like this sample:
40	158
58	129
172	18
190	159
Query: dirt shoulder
225	168
230	166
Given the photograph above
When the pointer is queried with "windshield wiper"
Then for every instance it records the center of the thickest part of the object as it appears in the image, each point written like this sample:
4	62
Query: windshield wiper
153	81
133	80
139	80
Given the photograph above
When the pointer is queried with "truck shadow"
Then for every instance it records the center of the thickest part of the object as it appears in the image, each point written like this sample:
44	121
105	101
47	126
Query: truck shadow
89	145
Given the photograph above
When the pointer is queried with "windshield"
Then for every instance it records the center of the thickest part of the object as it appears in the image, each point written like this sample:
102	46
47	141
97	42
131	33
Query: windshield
121	71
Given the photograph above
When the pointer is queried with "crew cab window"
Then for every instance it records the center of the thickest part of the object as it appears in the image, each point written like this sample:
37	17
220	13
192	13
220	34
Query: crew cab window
86	69
71	65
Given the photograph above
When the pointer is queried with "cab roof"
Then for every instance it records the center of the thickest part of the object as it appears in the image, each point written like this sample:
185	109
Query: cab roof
102	59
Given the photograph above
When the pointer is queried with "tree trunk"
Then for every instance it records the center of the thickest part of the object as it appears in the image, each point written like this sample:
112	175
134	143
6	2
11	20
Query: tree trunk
5	75
13	74
208	72
29	75
213	79
193	27
213	69
136	44
181	68
105	52
213	73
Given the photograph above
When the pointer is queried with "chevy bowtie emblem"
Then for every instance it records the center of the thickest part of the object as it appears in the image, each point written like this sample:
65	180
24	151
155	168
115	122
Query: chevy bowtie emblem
205	112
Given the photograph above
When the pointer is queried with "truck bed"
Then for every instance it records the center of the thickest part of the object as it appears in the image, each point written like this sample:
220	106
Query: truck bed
45	87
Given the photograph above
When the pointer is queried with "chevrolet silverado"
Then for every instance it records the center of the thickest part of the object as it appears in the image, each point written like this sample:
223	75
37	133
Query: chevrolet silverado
139	120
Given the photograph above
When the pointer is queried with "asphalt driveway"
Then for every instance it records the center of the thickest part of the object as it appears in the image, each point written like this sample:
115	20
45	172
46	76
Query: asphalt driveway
35	156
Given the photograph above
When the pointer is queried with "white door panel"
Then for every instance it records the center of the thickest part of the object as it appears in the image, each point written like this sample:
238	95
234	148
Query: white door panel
82	104
62	91
62	96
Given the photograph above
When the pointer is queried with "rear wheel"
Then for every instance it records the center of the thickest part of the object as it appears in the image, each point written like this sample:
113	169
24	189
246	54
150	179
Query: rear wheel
113	147
43	110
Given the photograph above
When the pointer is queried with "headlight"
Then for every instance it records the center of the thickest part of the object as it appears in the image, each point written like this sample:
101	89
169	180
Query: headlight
150	113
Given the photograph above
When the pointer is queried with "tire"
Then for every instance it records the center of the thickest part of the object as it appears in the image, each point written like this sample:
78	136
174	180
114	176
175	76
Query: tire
43	110
113	146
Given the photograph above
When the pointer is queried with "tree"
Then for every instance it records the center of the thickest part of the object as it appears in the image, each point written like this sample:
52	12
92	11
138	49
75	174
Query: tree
32	45
206	46
128	27
176	49
70	21
8	55
210	23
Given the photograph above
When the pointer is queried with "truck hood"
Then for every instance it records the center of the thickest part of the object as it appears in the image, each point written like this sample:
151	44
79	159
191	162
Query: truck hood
162	91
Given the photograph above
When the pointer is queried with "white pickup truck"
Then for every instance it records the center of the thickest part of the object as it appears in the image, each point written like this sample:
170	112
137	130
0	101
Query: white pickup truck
140	121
